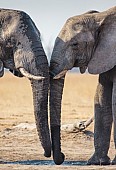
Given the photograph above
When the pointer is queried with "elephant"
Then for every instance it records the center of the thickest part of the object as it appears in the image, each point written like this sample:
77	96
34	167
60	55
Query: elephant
87	41
22	53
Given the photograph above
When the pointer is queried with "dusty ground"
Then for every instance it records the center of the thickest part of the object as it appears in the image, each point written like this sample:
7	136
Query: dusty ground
20	147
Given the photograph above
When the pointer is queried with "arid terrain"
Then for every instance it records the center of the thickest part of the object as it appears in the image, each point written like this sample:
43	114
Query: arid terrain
20	148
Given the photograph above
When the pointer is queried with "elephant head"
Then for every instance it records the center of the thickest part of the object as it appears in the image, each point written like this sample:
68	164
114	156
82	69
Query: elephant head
87	40
22	53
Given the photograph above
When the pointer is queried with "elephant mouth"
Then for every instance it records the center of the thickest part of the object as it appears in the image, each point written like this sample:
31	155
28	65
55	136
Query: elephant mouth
56	74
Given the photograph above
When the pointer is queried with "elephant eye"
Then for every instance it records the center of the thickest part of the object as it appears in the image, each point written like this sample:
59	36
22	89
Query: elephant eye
74	45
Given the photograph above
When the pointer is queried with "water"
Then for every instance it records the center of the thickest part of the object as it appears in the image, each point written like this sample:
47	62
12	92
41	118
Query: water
45	162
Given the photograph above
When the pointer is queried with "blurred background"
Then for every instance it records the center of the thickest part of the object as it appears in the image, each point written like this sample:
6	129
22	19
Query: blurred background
50	15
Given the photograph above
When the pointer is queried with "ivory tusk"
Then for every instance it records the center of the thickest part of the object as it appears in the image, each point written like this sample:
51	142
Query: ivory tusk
61	74
30	76
83	69
1	66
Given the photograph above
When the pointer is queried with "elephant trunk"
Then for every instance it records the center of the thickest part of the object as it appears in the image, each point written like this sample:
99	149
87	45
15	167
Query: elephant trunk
56	90
40	96
40	100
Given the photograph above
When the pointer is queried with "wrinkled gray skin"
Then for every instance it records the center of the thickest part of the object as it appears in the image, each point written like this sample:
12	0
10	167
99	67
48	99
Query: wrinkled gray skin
21	47
86	41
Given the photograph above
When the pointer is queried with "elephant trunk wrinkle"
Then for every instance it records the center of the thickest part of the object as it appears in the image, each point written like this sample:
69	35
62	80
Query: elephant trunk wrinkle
56	90
58	156
40	93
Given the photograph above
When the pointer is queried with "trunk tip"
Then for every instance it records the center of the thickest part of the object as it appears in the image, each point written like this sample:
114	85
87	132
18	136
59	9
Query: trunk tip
59	158
47	154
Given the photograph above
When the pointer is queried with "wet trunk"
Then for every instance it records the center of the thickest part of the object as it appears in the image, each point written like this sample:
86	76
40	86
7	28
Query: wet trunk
56	89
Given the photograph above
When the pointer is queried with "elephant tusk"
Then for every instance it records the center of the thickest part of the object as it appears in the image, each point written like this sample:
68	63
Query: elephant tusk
30	76
83	69
61	74
1	66
1	69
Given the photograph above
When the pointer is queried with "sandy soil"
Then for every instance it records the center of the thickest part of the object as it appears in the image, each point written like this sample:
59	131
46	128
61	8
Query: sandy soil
20	147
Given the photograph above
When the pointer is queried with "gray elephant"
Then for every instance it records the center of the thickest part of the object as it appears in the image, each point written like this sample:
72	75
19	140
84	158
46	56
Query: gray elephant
22	53
86	41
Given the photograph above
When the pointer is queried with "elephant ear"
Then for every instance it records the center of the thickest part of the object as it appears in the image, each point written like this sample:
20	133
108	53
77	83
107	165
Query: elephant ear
104	55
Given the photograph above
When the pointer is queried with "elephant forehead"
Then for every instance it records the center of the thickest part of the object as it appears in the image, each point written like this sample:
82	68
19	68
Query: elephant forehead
67	32
66	35
72	30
